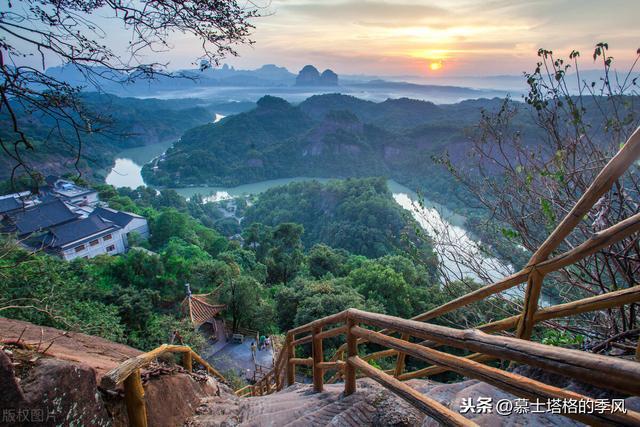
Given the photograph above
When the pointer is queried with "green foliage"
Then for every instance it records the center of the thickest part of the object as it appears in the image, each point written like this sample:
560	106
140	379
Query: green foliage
357	215
243	297
561	338
306	300
324	260
127	123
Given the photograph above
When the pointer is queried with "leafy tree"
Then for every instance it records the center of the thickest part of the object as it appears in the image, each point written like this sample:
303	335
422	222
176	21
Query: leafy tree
324	260
241	294
286	254
171	223
386	287
70	33
257	237
319	299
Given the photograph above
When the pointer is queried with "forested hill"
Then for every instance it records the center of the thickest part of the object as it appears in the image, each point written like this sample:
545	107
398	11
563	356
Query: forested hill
357	215
331	136
116	124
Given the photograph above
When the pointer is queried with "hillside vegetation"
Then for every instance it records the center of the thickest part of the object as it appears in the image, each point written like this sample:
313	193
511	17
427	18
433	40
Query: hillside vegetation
281	276
334	136
119	123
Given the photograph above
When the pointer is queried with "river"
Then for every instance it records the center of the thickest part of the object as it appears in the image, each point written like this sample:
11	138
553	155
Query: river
455	247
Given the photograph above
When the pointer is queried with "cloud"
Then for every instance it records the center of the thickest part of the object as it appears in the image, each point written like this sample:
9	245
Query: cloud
366	10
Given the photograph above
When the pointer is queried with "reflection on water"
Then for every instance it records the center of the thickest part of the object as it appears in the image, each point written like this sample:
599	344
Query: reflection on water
214	194
460	255
128	166
125	173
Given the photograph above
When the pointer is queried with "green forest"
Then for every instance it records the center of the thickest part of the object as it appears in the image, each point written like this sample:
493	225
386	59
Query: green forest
283	275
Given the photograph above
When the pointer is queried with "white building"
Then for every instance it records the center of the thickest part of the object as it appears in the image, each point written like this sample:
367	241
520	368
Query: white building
129	222
65	221
72	193
85	238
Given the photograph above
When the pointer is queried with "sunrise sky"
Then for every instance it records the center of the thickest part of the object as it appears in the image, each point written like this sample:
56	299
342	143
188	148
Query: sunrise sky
426	38
453	37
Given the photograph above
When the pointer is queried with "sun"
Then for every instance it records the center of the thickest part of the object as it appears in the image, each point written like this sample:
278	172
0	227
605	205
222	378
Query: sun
435	66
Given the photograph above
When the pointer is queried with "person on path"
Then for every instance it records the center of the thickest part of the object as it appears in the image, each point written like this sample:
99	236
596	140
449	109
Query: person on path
262	340
253	349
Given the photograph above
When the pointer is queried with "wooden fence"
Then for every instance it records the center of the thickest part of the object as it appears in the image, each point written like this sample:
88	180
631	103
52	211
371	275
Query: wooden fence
128	374
608	372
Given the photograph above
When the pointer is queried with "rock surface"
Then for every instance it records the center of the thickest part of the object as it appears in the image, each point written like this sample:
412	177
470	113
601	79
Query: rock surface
371	405
99	353
60	387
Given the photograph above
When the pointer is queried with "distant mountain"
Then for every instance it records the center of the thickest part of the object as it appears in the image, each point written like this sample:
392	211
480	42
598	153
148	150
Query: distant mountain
310	76
331	135
266	76
226	82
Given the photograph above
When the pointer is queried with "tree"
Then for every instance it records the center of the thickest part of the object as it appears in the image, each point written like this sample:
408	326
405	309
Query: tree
170	223
323	260
69	33
386	287
528	176
241	294
286	254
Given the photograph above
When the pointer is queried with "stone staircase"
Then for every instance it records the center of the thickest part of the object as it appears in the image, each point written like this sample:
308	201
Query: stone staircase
371	405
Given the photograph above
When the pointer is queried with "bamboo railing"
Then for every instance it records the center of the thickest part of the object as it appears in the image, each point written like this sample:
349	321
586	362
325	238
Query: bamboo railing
607	372
128	374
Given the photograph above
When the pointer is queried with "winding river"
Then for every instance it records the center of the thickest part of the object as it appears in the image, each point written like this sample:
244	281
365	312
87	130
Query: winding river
455	246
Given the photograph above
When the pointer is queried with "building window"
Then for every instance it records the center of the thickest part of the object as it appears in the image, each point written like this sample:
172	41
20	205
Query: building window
94	242
107	237
111	248
79	248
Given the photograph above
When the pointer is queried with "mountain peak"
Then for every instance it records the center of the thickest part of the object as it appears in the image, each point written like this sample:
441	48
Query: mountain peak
310	76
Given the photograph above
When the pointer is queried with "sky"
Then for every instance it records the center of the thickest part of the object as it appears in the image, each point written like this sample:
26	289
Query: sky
421	38
444	37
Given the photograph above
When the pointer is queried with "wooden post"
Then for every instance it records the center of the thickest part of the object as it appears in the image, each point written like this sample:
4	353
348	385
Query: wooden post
352	351
317	359
276	373
187	361
291	368
532	295
134	400
400	359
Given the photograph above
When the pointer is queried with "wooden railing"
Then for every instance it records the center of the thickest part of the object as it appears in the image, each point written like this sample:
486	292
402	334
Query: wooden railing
128	374
607	372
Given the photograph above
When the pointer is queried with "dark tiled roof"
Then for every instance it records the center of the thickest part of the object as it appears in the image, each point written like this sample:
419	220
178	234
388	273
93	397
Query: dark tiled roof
9	204
43	216
78	230
120	218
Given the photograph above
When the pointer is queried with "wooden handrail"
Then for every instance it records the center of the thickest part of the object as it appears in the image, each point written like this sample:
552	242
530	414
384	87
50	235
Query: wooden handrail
513	383
128	373
433	408
602	371
585	305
